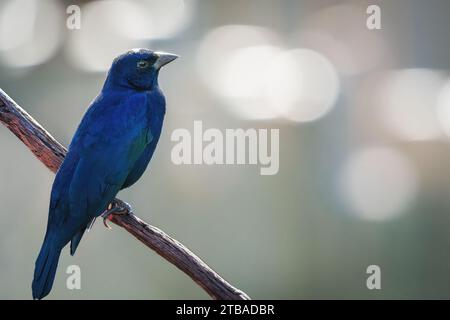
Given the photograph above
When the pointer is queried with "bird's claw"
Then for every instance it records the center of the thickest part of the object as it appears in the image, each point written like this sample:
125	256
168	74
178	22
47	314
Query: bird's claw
115	207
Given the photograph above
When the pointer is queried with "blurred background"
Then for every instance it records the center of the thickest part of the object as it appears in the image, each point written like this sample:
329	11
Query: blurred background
364	119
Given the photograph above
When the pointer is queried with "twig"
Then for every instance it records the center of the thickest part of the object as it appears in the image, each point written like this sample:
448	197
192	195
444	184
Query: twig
51	153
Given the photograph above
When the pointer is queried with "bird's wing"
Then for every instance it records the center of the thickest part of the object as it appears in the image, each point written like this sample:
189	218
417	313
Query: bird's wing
141	164
95	168
152	140
60	188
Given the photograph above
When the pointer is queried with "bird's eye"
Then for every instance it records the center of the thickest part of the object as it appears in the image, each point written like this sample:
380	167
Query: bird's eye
142	64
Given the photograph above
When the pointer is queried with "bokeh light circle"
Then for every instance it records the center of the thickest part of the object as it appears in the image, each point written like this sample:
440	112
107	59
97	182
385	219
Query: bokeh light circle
111	27
30	31
155	19
339	31
101	39
256	78
408	101
307	88
378	183
443	109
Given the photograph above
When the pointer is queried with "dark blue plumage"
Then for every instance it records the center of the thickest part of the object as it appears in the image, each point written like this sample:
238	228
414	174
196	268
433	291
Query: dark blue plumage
109	152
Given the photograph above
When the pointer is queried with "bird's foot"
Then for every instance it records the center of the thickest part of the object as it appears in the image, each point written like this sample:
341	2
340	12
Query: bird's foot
115	207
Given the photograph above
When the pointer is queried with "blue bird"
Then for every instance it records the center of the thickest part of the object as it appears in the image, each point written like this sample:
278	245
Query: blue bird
109	152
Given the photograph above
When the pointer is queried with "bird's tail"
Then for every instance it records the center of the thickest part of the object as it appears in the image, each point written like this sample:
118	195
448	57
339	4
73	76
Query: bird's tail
45	268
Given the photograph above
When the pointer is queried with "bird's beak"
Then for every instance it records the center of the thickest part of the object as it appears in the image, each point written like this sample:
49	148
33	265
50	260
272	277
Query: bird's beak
164	58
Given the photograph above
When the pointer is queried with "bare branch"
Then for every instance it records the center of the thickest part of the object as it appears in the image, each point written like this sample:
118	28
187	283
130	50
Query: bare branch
51	153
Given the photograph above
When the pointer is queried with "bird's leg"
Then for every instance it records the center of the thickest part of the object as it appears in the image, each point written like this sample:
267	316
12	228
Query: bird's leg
115	207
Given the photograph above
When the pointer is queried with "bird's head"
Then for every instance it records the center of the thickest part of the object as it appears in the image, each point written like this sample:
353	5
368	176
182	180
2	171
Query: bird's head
138	69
